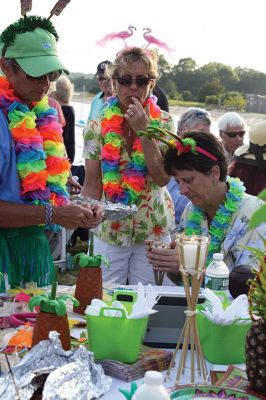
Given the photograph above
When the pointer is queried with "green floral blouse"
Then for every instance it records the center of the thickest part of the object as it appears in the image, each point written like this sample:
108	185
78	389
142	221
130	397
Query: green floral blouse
155	216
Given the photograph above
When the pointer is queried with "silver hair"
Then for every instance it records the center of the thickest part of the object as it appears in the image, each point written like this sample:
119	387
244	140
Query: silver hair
231	120
63	89
193	117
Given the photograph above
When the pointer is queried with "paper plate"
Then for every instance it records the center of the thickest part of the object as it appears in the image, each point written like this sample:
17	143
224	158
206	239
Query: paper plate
210	392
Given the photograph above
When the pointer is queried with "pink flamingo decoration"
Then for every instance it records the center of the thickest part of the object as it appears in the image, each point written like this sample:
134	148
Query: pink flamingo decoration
153	40
117	35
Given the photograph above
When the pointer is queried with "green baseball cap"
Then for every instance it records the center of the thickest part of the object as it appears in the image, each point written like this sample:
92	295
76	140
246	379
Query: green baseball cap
36	53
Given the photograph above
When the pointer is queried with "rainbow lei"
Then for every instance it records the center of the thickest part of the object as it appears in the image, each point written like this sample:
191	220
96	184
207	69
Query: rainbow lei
221	220
41	163
123	186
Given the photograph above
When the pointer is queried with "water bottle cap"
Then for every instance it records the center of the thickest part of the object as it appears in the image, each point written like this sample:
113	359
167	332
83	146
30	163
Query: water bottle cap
218	256
153	378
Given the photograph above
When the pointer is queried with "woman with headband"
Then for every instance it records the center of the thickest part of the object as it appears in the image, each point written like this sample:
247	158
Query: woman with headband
218	207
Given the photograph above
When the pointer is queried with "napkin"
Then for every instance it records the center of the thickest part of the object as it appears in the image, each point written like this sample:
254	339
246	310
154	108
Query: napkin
146	299
214	311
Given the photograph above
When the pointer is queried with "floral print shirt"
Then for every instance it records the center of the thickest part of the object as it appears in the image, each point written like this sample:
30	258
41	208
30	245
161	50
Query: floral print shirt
155	216
238	234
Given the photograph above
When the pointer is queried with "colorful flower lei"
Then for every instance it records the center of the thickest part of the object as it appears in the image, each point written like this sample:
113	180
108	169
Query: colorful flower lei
41	163
124	185
221	220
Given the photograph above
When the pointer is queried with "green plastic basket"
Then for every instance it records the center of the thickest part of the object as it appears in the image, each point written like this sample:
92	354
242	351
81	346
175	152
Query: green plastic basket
126	297
222	344
115	338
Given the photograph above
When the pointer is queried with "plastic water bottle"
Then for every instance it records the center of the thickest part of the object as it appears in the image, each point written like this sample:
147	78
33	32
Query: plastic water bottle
152	389
217	273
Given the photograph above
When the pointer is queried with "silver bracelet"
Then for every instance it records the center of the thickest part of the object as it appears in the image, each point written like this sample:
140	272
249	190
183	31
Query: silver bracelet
48	214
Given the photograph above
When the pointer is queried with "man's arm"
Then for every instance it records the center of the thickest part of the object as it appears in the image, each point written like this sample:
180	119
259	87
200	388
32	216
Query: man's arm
13	215
93	186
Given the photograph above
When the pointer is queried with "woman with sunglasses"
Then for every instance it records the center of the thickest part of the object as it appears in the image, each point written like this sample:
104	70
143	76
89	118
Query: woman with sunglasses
218	207
232	129
122	168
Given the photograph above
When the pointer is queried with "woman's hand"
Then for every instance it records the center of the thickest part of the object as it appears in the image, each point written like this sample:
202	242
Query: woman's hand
98	214
137	117
74	186
165	260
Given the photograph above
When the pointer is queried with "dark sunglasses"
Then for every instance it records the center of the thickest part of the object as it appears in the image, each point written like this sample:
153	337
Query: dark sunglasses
103	78
140	81
232	135
51	76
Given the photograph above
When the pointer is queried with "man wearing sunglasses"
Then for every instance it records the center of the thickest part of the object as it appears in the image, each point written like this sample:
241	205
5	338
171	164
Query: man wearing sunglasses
232	128
106	89
33	166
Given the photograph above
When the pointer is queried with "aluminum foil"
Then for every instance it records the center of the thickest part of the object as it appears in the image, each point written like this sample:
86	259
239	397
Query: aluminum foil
113	211
71	374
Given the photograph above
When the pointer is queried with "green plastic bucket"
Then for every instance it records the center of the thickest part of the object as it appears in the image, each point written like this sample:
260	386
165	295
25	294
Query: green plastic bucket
115	338
222	344
126	297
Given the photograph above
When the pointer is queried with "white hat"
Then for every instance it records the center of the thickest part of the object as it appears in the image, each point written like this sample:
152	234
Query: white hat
254	153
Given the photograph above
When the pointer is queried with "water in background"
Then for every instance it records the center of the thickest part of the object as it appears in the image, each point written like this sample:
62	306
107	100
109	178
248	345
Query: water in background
82	111
81	115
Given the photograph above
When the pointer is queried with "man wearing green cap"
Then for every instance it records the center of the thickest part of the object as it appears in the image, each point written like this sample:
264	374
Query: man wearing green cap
33	166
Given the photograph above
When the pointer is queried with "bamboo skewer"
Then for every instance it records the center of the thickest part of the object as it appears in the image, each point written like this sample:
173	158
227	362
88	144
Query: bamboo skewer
13	378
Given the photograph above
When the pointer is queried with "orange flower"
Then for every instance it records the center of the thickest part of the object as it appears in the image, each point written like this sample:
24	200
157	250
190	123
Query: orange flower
158	231
24	132
34	181
57	165
116	226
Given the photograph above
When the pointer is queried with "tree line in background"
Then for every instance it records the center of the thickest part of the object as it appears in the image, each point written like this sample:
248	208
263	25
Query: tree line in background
213	84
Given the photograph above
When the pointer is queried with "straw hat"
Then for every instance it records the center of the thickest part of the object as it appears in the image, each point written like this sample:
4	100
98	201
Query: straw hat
254	153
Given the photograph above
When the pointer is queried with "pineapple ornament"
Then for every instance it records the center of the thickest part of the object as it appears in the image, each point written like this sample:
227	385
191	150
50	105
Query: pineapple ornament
89	282
256	336
52	316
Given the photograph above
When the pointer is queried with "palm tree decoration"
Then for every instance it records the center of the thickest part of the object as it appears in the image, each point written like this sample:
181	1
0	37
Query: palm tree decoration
129	394
52	316
256	336
89	283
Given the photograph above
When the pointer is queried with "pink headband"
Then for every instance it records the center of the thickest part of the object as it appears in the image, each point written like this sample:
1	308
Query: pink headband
206	153
188	144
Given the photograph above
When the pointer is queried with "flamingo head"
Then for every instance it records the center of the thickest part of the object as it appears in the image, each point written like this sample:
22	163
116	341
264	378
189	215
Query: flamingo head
132	27
148	30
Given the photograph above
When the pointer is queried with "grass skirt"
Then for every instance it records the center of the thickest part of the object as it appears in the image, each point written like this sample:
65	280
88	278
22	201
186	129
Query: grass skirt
25	256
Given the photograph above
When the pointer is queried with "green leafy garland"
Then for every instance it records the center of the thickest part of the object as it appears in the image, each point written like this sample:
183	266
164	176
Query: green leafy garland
221	220
26	24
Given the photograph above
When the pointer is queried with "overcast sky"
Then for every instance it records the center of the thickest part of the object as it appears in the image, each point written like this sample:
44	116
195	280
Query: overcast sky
232	32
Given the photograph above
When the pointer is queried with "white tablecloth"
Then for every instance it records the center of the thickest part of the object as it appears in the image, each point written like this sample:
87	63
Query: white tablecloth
114	393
